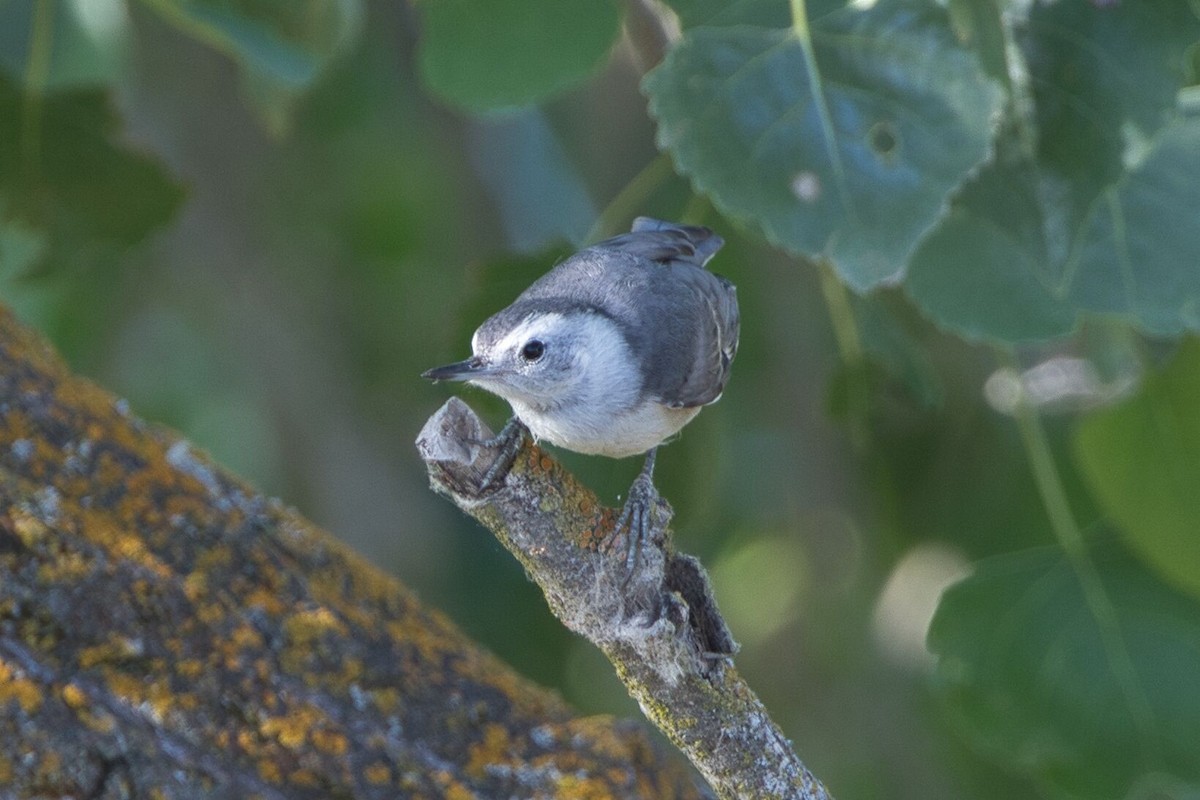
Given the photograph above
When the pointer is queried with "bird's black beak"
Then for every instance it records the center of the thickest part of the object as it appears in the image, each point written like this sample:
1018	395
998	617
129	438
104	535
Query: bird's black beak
458	371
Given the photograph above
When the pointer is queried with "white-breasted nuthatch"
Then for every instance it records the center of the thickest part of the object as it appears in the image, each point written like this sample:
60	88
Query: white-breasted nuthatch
614	350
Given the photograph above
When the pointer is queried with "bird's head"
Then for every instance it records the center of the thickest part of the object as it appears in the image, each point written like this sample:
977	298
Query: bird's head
541	358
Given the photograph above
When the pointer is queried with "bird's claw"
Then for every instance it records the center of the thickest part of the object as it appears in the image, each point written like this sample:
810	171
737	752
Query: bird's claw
508	443
643	518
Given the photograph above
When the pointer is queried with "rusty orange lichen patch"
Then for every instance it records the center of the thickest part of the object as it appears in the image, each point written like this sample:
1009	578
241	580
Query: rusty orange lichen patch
293	729
378	773
352	671
27	693
195	585
244	637
387	700
94	718
154	695
270	772
29	528
327	741
67	567
494	748
305	627
265	598
596	534
116	649
451	789
189	668
74	696
583	787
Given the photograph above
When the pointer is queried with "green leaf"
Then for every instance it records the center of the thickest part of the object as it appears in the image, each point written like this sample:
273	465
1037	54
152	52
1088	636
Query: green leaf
1141	246
282	48
770	13
1091	709
1142	459
87	193
1095	215
483	56
853	161
982	271
76	44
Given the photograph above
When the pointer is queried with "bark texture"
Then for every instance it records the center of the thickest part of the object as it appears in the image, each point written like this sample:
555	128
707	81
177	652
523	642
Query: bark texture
166	632
657	622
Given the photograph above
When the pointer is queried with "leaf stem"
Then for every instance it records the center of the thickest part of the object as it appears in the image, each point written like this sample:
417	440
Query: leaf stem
1070	538
800	20
631	197
850	348
37	73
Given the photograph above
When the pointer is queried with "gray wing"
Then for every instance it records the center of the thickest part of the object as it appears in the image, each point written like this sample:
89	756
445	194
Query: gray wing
681	320
690	365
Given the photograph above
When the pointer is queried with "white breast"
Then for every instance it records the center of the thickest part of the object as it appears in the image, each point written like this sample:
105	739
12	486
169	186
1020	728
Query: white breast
626	434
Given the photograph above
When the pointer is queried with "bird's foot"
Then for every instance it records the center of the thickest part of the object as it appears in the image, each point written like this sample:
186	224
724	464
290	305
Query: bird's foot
507	443
643	520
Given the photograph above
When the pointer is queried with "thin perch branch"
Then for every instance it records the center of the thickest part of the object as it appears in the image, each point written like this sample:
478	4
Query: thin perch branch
659	625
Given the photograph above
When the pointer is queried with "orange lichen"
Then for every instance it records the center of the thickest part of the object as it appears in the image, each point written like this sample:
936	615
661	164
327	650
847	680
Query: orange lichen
327	741
577	787
302	777
244	637
270	772
93	717
292	730
119	648
265	598
494	749
305	627
190	668
30	529
74	696
66	568
12	687
378	773
127	686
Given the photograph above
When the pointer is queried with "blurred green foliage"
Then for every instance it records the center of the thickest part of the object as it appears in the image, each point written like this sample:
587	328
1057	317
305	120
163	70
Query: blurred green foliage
970	359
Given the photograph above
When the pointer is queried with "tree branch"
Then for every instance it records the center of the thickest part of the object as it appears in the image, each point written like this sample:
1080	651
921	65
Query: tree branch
658	625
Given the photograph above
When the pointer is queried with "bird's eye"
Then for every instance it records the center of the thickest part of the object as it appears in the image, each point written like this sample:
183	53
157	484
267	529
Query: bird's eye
533	350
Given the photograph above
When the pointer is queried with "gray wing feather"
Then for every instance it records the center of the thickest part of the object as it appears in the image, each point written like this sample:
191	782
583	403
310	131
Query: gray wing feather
691	366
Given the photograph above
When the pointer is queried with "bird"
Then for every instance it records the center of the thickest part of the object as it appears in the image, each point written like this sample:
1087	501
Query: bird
613	351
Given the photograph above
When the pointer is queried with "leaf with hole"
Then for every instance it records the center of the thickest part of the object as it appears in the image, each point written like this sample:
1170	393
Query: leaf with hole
850	156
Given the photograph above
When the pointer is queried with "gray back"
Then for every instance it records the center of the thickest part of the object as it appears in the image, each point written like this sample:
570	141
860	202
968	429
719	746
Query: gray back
681	320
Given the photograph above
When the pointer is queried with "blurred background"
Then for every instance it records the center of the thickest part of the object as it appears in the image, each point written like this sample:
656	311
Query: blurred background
269	271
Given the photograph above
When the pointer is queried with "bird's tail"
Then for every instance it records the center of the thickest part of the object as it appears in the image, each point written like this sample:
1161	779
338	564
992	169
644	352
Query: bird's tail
693	243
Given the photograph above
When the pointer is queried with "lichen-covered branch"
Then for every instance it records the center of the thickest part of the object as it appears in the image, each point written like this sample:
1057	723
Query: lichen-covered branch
167	632
658	623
